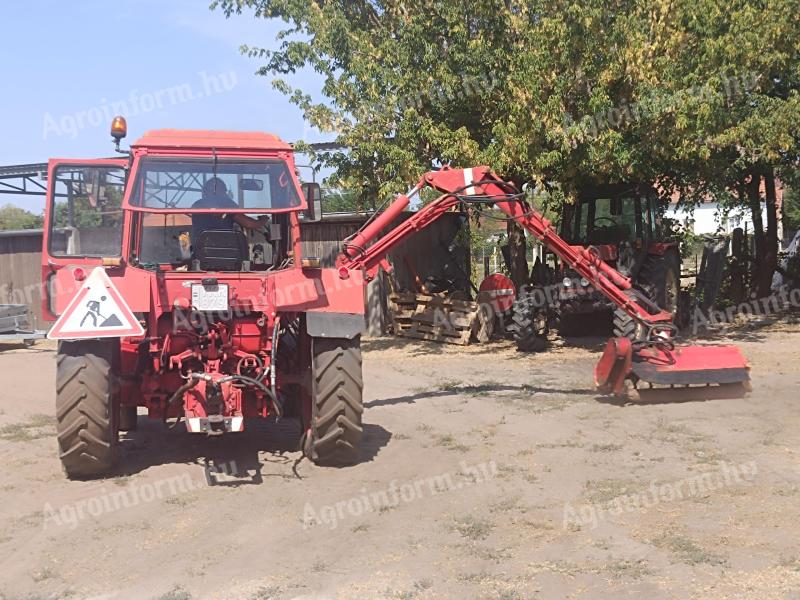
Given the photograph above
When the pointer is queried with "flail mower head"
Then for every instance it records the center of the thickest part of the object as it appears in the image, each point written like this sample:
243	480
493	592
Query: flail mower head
660	363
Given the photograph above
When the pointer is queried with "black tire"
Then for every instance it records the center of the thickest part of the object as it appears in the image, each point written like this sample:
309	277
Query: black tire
529	325
337	404
128	418
85	408
659	279
625	326
662	276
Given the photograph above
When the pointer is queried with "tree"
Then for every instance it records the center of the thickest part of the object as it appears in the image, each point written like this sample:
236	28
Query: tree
336	200
13	217
697	95
748	132
791	208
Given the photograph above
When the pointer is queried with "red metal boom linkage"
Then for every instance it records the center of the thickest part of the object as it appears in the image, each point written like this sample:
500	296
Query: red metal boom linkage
652	359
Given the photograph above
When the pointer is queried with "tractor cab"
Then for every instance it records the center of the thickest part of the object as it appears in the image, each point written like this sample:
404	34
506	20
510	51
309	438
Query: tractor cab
621	224
212	214
184	201
619	221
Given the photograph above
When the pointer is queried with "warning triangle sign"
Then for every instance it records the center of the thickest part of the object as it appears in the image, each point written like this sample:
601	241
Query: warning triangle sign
97	311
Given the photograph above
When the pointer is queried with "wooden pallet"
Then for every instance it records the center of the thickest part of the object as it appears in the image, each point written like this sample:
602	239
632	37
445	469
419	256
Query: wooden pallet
401	308
439	318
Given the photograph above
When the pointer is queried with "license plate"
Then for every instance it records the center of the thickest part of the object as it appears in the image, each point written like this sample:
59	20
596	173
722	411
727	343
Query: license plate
210	298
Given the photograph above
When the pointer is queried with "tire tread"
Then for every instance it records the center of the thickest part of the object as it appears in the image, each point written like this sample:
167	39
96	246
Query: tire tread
85	388
337	401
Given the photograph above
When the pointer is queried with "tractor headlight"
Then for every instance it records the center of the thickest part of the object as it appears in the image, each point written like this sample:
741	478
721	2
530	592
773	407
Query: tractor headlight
584	282
567	283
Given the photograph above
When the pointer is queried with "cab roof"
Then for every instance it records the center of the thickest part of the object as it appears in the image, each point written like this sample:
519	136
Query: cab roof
192	138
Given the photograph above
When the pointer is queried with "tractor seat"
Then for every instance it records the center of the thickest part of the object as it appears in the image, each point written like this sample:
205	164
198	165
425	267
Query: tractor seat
221	250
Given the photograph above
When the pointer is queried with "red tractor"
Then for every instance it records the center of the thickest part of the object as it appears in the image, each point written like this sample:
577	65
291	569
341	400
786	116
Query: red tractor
177	282
622	225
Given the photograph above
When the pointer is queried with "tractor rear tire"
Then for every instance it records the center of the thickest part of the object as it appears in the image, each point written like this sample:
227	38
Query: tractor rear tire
86	389
337	404
529	323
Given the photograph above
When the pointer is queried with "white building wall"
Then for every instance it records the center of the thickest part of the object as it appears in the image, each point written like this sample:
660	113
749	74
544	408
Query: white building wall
707	218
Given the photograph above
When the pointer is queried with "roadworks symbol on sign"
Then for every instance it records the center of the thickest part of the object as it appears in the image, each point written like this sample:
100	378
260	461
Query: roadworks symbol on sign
97	311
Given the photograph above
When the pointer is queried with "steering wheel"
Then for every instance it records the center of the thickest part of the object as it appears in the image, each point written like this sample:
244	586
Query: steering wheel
609	219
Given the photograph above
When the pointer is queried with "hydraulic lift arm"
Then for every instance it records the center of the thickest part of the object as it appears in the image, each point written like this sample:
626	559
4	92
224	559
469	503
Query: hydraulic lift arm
653	358
481	185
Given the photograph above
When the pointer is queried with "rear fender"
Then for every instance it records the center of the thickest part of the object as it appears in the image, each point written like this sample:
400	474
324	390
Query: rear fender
334	325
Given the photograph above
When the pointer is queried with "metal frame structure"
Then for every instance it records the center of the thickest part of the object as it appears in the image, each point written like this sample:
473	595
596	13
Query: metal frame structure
28	179
23	179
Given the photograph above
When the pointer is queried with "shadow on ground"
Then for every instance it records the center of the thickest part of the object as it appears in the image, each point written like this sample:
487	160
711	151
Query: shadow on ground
263	442
477	390
27	348
665	395
411	346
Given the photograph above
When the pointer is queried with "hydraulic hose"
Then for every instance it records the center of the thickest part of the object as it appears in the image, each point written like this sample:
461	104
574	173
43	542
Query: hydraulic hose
255	383
177	396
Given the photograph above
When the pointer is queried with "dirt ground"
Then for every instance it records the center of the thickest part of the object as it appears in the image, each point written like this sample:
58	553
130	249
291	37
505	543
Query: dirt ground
485	474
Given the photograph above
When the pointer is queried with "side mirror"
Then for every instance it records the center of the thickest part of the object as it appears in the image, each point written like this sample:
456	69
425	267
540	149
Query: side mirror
313	194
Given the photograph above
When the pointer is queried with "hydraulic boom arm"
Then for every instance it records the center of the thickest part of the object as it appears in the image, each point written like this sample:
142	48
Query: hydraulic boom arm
481	185
653	358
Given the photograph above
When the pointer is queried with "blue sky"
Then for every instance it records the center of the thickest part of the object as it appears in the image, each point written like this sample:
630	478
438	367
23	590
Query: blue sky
65	64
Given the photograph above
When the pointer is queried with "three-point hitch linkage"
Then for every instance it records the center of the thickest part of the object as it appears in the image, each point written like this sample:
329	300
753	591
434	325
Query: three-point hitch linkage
652	357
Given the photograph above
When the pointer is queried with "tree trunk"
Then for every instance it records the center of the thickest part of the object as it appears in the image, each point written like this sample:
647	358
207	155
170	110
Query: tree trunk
771	241
518	254
754	200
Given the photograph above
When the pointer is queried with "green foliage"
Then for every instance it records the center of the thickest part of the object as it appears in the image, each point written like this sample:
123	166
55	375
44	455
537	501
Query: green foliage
335	200
693	93
13	217
84	215
689	243
791	208
105	214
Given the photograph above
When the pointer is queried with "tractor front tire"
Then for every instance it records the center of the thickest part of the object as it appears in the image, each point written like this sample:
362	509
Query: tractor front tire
662	275
626	326
529	323
337	404
85	421
660	280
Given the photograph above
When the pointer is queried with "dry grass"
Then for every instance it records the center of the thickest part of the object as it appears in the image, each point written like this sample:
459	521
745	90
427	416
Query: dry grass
604	490
36	427
473	528
684	549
